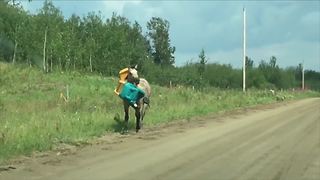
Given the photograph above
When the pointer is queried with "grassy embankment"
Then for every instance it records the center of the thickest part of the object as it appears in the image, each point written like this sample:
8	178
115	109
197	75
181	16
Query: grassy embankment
34	116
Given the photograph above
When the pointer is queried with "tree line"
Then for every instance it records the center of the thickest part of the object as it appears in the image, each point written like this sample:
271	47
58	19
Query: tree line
49	40
52	42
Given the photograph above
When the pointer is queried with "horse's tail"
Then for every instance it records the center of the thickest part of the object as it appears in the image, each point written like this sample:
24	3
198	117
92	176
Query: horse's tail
145	104
146	101
145	86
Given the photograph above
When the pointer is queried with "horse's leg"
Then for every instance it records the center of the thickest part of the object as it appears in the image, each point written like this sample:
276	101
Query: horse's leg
142	113
138	115
126	112
144	106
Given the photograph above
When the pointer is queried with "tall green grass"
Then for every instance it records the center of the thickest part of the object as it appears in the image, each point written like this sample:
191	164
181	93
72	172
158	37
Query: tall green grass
34	117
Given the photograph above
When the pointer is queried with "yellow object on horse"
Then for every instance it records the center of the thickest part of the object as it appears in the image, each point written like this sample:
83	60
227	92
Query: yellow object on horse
126	75
123	74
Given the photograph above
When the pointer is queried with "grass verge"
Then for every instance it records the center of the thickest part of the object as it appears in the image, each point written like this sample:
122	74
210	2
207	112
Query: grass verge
34	115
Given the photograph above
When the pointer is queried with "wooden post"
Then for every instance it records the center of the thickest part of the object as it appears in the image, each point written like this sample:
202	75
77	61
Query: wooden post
44	50
68	92
244	52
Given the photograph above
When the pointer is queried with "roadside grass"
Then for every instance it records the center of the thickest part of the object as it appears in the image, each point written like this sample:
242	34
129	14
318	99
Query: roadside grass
34	115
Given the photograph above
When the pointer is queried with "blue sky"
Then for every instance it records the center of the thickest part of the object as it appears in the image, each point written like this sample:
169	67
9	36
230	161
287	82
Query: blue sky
289	30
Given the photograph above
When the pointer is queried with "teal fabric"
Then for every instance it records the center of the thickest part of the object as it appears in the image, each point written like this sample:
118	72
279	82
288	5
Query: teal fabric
131	93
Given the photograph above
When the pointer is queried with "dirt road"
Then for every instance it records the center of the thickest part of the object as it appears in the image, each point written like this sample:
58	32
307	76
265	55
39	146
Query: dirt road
273	142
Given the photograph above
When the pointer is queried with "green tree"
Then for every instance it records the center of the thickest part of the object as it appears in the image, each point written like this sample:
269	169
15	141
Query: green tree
312	79
272	73
92	29
49	23
158	33
273	62
12	18
249	63
202	63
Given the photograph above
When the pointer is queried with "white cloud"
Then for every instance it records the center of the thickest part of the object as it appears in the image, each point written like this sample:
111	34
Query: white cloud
114	6
118	6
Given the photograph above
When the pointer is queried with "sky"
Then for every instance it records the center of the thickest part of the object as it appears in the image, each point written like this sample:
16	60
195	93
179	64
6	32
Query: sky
288	30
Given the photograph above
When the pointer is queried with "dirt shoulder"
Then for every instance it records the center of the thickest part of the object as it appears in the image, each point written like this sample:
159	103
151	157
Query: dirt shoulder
224	145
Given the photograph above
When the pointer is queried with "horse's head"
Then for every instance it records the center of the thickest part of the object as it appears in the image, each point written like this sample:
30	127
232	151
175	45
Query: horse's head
133	75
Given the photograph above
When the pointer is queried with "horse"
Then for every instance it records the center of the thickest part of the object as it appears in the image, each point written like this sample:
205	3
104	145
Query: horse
142	104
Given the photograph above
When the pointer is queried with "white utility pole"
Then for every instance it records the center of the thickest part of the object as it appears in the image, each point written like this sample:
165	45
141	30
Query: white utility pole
302	76
244	51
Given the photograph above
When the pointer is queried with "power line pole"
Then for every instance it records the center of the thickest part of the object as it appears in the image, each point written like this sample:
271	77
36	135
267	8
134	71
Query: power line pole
244	52
302	76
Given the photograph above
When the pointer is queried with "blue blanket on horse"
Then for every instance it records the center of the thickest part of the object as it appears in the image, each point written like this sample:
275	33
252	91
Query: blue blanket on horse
131	93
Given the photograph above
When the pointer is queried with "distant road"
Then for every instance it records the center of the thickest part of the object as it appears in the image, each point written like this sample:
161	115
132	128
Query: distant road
281	142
